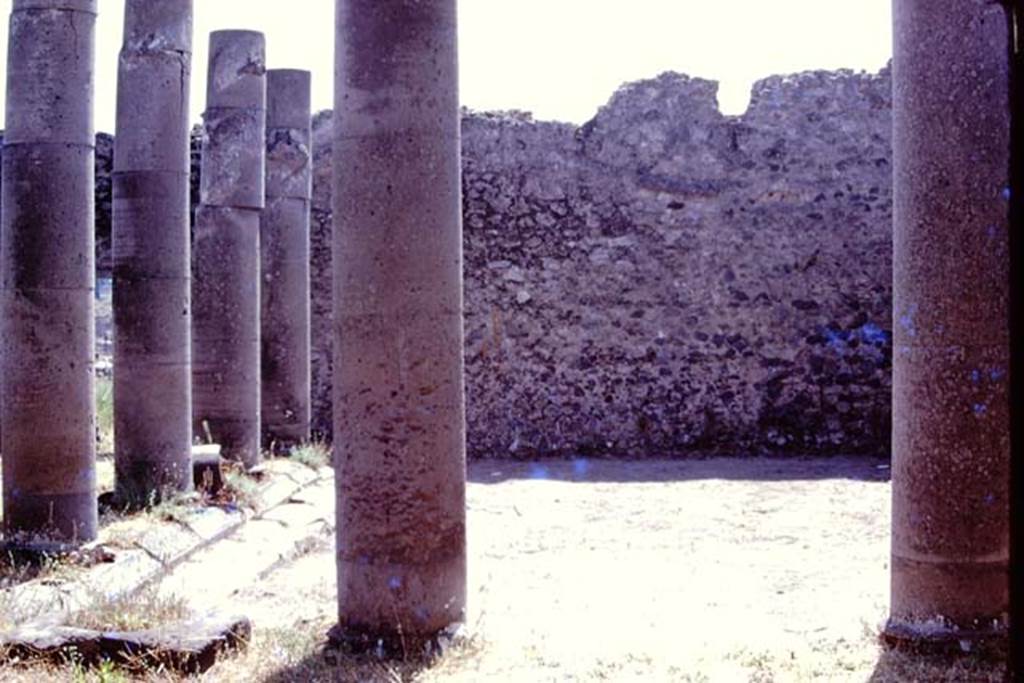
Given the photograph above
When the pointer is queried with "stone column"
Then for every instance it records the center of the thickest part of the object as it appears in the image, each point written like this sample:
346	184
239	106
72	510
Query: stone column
399	434
152	321
950	367
49	409
284	250
226	265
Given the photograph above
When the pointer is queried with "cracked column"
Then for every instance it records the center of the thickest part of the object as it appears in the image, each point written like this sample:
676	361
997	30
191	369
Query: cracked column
284	249
152	322
226	264
49	410
399	433
951	462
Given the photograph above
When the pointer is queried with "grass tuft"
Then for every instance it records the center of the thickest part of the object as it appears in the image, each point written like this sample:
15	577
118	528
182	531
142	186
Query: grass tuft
104	415
11	613
17	569
174	507
146	609
240	488
314	454
281	655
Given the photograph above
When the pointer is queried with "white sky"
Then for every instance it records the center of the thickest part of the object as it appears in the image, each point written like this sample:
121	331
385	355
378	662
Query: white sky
560	59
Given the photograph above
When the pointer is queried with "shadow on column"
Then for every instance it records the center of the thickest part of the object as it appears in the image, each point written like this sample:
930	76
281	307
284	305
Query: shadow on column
1016	245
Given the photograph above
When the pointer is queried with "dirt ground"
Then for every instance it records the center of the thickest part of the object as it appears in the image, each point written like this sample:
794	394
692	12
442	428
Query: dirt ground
714	570
727	570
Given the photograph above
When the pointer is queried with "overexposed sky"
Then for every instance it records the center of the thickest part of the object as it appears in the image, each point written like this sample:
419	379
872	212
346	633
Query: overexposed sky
560	59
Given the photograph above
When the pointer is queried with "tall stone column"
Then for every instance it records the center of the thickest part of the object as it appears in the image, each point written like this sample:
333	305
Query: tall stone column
152	272
284	249
226	265
951	349
399	436
49	409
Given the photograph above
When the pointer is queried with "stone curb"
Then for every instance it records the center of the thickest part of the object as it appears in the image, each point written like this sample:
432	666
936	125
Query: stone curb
301	524
161	548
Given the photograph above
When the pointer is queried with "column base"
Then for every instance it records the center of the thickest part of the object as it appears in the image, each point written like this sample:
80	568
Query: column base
939	638
36	554
29	550
359	641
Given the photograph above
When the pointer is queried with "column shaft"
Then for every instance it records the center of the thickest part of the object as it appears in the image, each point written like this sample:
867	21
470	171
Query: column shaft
399	434
48	415
226	265
152	320
950	368
284	251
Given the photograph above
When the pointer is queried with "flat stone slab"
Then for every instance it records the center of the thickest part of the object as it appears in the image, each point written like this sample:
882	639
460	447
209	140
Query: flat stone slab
188	647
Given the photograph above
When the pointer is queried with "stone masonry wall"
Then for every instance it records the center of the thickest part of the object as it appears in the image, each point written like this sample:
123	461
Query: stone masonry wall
663	280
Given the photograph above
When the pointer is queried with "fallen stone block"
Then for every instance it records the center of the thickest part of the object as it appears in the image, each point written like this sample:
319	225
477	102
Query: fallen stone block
187	647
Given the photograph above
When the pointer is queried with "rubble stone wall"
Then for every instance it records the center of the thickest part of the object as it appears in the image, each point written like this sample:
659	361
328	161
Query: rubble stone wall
665	280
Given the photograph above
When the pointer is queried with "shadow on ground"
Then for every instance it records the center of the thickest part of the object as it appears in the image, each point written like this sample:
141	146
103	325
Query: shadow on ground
892	667
330	667
897	667
590	470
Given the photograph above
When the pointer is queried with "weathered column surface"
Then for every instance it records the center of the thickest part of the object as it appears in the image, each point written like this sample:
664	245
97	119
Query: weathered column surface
152	320
284	250
48	415
950	407
226	265
399	416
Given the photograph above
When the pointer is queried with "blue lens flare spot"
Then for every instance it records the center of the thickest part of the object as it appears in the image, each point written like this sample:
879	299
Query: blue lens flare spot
539	472
580	467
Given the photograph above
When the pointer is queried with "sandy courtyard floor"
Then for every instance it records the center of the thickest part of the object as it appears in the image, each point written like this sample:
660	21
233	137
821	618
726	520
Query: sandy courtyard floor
722	568
713	570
